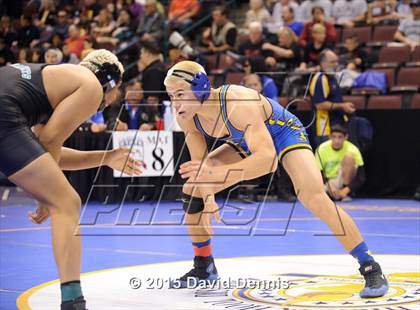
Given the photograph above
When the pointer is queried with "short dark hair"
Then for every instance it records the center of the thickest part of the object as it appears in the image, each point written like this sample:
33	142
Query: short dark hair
291	10
339	128
221	9
151	48
317	8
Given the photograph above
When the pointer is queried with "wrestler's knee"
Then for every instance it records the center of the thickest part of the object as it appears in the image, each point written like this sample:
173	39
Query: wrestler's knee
317	202
68	203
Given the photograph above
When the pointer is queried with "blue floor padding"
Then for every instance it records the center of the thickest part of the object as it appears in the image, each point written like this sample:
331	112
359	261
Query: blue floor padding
389	227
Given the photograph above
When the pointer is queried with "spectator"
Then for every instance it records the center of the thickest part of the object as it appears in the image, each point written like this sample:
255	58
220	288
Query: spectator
313	50
6	55
62	26
318	17
36	55
112	9
404	9
253	81
287	53
75	41
6	31
122	31
253	45
277	15
91	8
257	13
56	41
341	164
221	37
68	56
257	65
87	47
24	55
135	8
104	24
307	6
174	56
327	99
382	12
151	24
354	55
153	73
46	15
53	56
409	30
27	32
269	5
134	113
349	13
288	16
181	13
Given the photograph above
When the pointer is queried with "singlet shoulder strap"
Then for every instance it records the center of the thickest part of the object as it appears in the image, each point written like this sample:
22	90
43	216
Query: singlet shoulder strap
233	132
199	127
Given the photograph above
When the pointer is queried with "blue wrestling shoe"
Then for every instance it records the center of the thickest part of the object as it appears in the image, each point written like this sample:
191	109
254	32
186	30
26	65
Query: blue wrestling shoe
203	273
376	283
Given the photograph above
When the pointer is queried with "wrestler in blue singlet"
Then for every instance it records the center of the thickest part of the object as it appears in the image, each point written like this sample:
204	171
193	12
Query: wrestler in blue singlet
285	129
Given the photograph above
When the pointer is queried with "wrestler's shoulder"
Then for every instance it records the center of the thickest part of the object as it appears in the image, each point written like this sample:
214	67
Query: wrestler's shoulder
81	72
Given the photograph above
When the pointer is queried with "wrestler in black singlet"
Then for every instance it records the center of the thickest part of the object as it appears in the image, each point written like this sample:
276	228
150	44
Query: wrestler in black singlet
23	103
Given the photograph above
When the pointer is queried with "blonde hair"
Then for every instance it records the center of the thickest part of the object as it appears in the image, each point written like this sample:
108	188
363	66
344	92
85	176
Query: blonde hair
100	57
290	34
189	66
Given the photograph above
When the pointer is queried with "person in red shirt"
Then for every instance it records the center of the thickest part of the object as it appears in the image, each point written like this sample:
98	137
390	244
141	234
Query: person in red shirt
75	41
318	17
181	12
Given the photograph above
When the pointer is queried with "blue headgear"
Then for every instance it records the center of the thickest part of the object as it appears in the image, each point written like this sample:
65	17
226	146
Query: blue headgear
200	83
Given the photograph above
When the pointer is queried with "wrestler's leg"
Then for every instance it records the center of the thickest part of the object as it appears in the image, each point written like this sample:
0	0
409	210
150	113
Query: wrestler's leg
44	180
197	223
301	166
306	177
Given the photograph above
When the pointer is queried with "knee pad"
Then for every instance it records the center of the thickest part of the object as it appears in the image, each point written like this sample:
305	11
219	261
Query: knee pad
192	205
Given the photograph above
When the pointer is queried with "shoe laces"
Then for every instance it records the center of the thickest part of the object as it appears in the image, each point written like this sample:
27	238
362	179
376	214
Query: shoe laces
373	279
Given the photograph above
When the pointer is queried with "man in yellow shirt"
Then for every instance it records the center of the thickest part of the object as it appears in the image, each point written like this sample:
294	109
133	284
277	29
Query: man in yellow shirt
341	164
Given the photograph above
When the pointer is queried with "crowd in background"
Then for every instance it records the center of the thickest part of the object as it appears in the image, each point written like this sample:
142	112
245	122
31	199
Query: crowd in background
280	37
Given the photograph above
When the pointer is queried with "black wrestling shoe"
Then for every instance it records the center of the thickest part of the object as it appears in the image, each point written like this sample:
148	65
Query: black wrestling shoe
75	304
203	273
376	283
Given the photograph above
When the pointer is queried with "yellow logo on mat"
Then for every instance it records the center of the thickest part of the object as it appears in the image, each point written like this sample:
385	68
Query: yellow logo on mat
330	292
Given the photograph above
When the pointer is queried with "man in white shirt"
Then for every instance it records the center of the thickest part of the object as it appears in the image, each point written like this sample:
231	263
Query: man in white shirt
409	30
307	5
348	12
278	22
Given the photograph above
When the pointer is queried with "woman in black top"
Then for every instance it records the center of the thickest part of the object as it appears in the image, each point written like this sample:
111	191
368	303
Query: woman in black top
61	97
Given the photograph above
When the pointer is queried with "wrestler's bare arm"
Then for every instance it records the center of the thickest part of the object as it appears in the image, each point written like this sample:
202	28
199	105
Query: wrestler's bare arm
248	116
72	110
